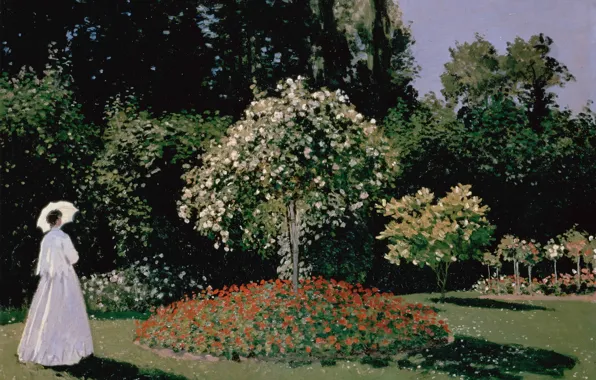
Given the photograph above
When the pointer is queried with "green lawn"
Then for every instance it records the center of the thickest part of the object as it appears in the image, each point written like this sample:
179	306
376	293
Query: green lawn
494	340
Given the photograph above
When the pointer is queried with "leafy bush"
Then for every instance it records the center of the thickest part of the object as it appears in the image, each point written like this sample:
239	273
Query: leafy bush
436	234
325	319
140	286
140	167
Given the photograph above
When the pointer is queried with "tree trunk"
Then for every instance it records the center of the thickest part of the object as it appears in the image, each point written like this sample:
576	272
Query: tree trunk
442	273
556	276
488	267
516	273
294	236
498	282
578	275
530	278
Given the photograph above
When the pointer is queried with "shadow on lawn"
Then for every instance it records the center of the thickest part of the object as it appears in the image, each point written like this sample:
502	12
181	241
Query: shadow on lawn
96	368
490	304
479	359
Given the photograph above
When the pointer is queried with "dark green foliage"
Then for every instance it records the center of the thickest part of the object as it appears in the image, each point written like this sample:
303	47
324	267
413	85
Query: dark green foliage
45	151
345	254
205	55
299	363
523	162
375	362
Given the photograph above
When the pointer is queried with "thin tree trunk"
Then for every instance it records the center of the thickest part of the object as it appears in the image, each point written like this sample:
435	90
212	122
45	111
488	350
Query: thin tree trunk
530	278
556	276
498	282
294	235
578	276
516	272
442	274
488	267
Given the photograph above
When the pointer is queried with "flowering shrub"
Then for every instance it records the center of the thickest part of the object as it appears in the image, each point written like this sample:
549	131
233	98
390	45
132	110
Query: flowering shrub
325	318
503	285
567	283
561	285
519	251
139	287
436	235
578	246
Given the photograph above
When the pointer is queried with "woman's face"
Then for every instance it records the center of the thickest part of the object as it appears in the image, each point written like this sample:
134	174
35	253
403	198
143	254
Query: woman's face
59	222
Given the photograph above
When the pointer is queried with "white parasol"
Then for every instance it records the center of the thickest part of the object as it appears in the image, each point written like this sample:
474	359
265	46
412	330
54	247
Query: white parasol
67	209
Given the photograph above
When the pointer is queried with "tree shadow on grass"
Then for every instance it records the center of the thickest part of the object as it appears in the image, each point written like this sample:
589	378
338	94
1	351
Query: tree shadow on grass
475	358
97	368
490	304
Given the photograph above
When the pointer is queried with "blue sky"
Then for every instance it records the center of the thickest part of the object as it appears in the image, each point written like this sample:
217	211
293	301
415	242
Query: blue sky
437	24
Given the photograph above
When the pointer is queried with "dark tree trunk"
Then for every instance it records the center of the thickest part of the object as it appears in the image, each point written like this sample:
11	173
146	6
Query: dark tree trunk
294	237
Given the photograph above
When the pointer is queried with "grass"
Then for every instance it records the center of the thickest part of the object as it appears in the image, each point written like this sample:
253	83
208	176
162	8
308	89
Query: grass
9	316
505	340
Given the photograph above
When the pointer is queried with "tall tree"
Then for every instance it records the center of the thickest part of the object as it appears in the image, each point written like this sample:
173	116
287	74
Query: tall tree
363	47
301	156
531	72
477	74
203	55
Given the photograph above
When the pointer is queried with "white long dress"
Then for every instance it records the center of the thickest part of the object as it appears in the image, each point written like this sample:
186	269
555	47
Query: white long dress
57	330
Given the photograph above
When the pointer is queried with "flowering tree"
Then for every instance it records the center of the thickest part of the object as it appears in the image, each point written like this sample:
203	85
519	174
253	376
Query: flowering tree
590	254
302	154
509	248
554	252
492	260
438	234
577	244
530	251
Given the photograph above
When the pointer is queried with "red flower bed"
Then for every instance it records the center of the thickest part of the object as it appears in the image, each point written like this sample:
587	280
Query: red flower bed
327	318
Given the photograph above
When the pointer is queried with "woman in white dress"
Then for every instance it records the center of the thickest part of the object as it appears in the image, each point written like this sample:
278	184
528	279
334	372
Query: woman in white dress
57	330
